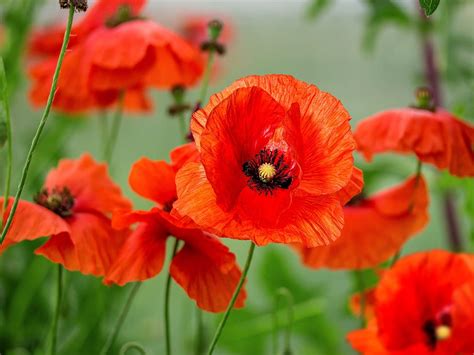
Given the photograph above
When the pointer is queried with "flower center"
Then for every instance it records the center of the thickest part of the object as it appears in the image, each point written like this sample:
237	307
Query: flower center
268	171
59	201
438	329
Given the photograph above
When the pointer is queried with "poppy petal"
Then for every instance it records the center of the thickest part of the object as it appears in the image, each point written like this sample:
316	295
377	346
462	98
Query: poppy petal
60	250
206	282
362	244
141	256
153	180
353	188
89	183
236	130
183	154
31	222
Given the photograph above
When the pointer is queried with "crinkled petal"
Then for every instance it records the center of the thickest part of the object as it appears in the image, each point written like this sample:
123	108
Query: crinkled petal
141	257
204	280
370	235
30	222
89	183
153	180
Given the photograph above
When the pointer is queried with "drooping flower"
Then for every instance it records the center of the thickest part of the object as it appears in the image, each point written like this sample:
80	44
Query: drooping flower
203	266
115	51
436	137
375	228
423	305
73	209
275	155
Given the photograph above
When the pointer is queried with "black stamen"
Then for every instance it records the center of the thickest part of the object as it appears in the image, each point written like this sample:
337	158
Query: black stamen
59	201
281	179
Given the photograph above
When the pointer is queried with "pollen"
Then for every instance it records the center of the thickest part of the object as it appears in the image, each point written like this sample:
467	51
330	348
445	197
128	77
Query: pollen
266	172
443	332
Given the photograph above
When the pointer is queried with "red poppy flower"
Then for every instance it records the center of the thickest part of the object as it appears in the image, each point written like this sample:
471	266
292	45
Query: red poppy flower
196	29
262	176
423	305
395	215
116	52
438	138
203	267
73	209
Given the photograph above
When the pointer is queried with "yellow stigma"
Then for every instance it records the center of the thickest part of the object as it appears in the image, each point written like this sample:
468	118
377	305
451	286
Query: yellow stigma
266	172
443	332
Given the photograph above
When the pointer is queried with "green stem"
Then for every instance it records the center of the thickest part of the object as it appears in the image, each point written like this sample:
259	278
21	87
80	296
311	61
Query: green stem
233	299
132	345
395	258
167	302
182	126
361	288
200	333
286	294
206	77
116	123
8	170
41	125
103	129
57	312
123	314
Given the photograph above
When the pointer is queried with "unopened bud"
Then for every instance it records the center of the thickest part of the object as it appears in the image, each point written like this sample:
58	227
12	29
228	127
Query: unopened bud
424	99
215	29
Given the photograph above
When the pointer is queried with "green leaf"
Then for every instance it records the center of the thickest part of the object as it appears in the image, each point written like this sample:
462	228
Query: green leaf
316	8
429	6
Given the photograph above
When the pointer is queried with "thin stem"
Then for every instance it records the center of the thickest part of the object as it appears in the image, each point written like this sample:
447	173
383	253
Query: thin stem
207	77
41	125
104	129
132	345
233	299
285	294
182	126
123	314
200	333
167	302
433	78
361	288
8	168
116	123
57	311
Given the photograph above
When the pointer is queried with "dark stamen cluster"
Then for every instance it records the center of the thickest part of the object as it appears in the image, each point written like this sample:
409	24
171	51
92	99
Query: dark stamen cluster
79	5
429	328
59	201
281	179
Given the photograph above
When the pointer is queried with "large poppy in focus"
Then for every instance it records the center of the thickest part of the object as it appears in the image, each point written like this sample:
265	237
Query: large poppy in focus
437	137
275	155
375	228
113	52
423	305
203	266
73	209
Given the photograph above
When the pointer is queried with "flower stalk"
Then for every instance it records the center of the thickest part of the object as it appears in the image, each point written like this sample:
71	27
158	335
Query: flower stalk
41	125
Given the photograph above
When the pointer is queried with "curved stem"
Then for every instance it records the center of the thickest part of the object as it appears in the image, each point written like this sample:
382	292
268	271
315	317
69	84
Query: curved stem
57	311
286	294
132	345
233	299
8	169
41	125
117	122
167	302
207	77
123	314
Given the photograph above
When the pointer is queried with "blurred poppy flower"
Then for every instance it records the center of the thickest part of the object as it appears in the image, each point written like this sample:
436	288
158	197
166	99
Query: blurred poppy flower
203	267
262	177
423	305
436	137
73	209
195	29
395	215
116	52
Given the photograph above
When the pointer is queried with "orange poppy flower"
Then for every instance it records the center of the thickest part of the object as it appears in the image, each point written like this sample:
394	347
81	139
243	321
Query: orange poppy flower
203	267
423	305
117	51
262	176
73	208
438	138
395	215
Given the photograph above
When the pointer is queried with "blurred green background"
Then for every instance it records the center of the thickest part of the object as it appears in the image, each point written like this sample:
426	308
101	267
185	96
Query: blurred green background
366	54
